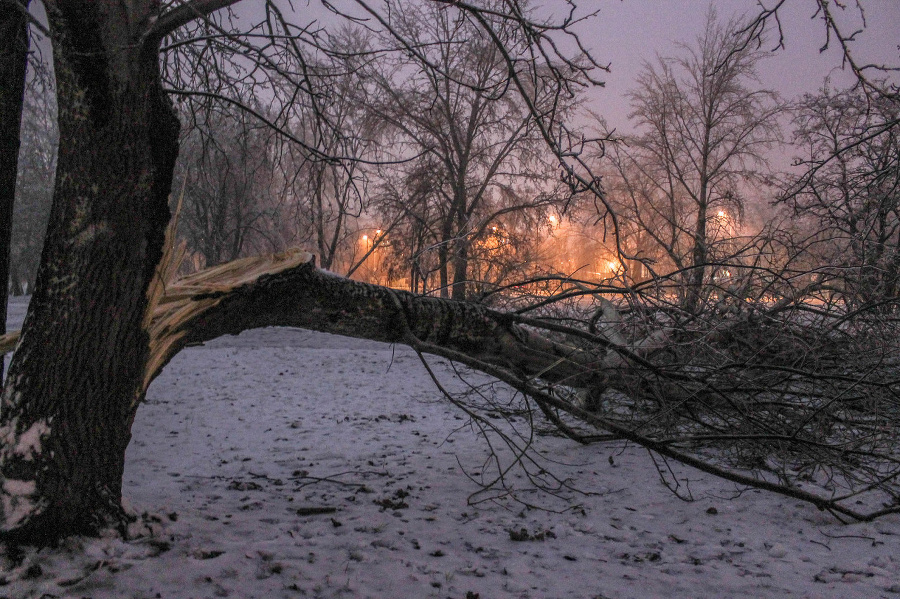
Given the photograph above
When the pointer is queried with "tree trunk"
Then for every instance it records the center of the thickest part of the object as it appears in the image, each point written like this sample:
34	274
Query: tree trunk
70	394
460	268
13	61
697	274
443	267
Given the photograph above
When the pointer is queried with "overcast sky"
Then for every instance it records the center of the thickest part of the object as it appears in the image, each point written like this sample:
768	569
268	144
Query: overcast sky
629	32
626	33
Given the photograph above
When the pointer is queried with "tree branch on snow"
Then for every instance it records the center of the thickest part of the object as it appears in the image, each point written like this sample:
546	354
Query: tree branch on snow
287	290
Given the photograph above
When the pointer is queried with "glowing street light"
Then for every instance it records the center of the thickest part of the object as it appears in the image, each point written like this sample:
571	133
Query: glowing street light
722	214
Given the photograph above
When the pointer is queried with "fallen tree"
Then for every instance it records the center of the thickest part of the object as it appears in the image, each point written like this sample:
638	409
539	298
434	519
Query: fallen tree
735	423
801	426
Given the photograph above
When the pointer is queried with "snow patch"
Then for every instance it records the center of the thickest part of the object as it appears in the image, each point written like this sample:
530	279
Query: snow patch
8	434
24	445
29	444
17	502
22	488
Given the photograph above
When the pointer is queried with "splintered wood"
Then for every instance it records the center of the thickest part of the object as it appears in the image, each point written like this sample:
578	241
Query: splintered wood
173	303
8	342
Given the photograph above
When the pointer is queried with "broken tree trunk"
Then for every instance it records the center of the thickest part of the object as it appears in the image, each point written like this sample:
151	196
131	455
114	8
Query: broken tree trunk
79	363
287	290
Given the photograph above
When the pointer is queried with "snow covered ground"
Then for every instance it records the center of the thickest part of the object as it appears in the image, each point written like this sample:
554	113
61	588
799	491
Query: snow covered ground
285	463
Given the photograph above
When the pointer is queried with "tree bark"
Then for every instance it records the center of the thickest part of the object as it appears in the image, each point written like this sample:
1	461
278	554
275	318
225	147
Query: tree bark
460	268
699	259
79	366
13	62
443	268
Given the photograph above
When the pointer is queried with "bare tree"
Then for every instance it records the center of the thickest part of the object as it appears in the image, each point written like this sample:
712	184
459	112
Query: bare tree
453	101
849	188
704	129
406	198
324	199
227	174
